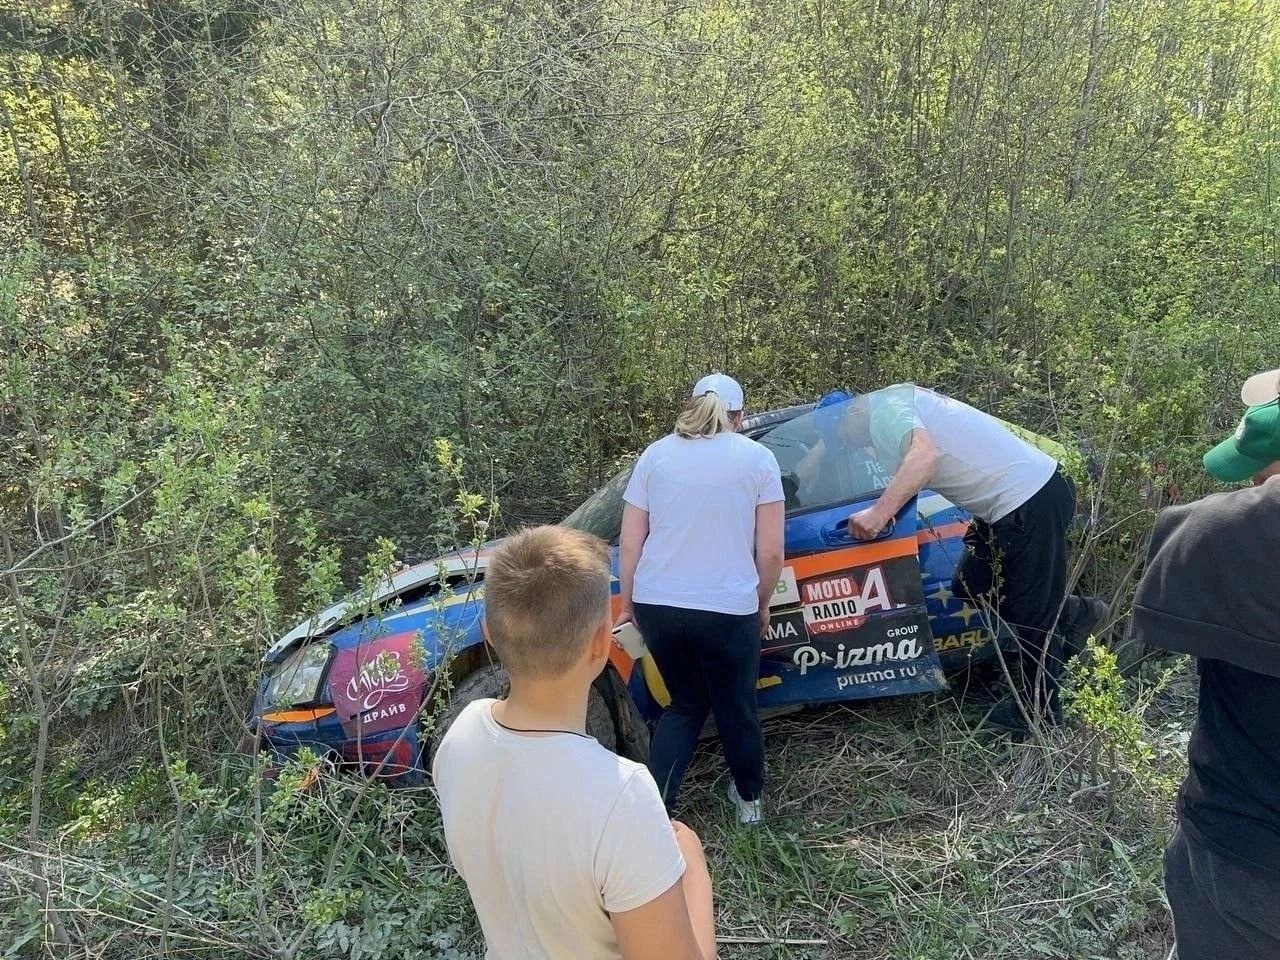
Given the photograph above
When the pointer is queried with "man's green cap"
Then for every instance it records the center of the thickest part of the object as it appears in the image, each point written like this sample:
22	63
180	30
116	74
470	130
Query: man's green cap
1254	446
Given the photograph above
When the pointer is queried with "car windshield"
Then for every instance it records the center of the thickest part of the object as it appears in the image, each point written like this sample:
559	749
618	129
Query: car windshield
601	513
839	453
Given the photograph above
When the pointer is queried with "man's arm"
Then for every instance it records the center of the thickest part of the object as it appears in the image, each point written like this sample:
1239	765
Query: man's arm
678	924
807	467
770	522
635	530
918	465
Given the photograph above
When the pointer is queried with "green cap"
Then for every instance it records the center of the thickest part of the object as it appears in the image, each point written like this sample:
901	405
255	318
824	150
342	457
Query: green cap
1254	446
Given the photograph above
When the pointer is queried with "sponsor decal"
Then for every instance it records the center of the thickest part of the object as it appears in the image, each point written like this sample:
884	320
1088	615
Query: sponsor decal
969	639
887	675
378	679
785	593
377	686
785	630
861	630
895	650
840	602
843	658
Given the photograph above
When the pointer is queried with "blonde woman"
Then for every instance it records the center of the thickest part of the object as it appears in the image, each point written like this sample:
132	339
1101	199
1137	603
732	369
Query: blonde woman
702	542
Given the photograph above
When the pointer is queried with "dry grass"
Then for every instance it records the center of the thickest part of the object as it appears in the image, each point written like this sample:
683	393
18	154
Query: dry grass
900	829
897	829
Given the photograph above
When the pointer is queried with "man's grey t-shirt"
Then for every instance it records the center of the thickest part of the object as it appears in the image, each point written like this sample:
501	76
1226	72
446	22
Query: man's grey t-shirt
982	466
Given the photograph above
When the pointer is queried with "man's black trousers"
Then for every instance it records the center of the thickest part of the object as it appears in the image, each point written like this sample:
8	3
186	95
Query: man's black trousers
1222	910
1018	566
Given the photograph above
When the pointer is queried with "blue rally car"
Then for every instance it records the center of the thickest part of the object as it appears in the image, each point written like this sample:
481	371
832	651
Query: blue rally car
851	620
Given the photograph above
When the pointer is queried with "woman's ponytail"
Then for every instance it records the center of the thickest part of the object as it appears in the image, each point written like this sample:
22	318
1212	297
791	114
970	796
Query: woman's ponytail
704	416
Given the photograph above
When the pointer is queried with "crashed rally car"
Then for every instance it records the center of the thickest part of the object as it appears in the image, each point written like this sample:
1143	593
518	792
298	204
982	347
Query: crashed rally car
851	620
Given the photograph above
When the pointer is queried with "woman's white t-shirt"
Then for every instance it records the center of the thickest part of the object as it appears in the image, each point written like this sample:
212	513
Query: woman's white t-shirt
982	466
701	495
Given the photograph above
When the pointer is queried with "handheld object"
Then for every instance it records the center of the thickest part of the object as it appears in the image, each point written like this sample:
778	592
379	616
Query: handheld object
628	638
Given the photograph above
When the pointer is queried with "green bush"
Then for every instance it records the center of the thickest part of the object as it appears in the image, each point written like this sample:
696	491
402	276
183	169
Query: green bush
259	261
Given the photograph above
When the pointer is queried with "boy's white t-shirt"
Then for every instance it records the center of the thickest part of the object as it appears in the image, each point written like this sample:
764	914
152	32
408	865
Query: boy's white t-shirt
982	466
551	835
701	494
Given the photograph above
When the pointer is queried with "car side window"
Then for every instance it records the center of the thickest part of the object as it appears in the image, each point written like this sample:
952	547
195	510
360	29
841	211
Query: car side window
827	456
821	470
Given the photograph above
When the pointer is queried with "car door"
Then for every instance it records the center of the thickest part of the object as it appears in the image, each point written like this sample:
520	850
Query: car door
849	616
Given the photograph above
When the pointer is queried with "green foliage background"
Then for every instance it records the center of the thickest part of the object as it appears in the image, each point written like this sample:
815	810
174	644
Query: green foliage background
257	257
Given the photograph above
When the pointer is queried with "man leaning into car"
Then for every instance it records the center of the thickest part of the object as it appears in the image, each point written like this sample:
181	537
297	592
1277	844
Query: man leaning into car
1016	548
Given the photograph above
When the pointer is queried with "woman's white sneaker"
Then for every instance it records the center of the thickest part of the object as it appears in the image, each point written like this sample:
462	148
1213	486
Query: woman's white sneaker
749	811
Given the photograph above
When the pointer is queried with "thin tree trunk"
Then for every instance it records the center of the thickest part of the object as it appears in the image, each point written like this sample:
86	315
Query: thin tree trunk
73	180
24	175
52	917
1087	92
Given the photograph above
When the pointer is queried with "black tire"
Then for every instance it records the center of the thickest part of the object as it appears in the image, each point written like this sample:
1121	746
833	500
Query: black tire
632	731
491	680
600	720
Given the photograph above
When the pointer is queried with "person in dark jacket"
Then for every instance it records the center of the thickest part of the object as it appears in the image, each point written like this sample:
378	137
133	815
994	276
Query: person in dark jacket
1212	589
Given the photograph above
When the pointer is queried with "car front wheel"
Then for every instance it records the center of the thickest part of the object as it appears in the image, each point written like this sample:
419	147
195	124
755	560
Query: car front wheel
491	681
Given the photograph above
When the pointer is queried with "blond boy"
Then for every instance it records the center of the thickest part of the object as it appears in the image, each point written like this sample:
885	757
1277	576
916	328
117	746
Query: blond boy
565	848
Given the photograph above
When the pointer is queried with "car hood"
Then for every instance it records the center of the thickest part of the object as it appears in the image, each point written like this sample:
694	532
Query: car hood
462	571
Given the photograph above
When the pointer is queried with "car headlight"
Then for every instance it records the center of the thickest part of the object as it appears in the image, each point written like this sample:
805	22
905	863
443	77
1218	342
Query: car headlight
297	678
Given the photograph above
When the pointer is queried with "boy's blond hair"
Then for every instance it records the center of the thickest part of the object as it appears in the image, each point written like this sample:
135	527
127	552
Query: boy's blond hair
546	590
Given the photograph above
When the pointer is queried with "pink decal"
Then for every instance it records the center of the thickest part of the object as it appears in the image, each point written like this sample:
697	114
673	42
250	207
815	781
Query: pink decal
377	686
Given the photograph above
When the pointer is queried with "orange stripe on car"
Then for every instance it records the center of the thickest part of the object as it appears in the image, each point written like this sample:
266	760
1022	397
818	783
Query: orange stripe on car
943	531
856	556
297	716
